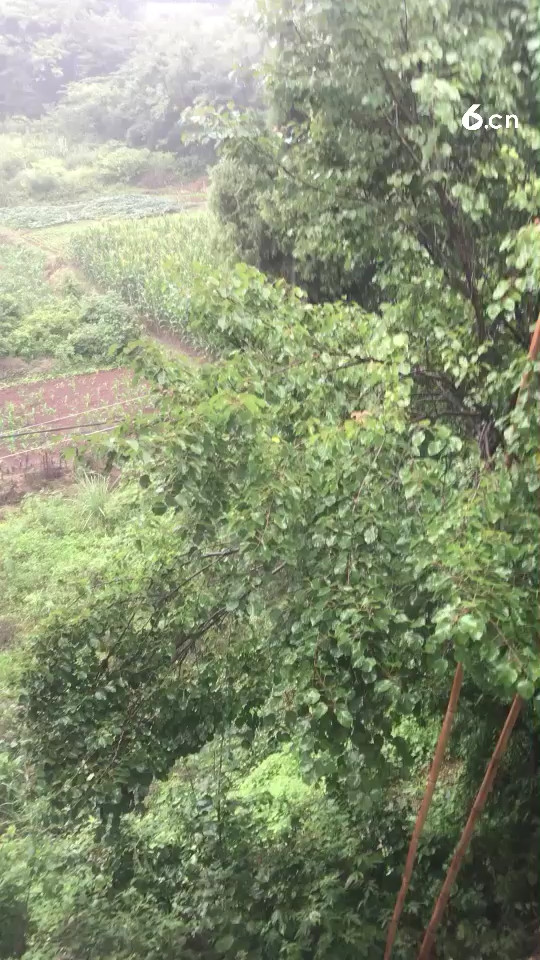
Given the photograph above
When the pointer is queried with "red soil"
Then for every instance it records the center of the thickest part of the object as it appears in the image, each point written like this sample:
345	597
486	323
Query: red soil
84	402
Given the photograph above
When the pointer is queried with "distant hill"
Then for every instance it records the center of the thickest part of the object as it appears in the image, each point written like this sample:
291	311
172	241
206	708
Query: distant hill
176	9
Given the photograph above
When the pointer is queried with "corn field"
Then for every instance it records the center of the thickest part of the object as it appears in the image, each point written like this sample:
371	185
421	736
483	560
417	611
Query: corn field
151	264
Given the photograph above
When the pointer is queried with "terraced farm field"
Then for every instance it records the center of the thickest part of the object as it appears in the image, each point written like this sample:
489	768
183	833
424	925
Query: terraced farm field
60	325
38	420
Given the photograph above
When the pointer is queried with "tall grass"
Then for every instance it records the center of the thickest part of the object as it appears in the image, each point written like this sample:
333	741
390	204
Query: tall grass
94	495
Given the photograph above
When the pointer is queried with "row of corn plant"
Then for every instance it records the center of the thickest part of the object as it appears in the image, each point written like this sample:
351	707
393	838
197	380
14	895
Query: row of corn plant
152	264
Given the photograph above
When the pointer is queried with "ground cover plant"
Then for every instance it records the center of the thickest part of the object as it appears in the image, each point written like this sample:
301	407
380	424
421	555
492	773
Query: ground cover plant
46	312
124	206
49	538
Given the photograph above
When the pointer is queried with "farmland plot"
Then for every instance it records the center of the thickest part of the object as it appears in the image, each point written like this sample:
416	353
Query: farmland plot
151	264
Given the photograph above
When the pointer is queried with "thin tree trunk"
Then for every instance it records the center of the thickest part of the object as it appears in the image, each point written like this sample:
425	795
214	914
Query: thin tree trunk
424	807
534	350
487	783
463	845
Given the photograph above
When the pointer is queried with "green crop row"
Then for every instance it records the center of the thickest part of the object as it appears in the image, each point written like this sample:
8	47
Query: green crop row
152	264
123	205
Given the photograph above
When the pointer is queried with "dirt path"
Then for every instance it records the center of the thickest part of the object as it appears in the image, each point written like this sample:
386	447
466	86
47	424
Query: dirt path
173	342
18	237
165	338
39	419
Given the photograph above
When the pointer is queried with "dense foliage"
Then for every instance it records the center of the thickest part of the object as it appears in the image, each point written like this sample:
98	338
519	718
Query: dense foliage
168	71
39	166
48	43
216	745
103	70
368	184
327	584
41	317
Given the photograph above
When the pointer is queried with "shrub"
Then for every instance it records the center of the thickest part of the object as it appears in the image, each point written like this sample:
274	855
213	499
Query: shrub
10	166
39	183
42	331
121	164
116	163
46	177
104	321
67	327
37	164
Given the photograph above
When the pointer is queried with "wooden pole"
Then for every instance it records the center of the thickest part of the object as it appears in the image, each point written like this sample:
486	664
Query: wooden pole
463	845
444	735
424	807
534	349
502	743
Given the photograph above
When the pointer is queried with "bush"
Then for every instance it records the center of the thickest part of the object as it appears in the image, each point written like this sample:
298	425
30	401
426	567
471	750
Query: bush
67	328
10	315
37	164
39	183
121	165
103	323
45	177
54	317
10	166
40	333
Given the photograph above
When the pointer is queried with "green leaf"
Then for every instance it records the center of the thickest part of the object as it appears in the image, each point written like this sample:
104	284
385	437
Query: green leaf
344	717
319	710
440	667
525	688
501	289
224	944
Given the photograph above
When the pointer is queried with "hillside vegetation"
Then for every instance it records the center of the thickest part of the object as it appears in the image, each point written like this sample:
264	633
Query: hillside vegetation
229	654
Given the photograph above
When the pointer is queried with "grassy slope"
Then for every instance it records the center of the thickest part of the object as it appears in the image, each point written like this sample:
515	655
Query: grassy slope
53	541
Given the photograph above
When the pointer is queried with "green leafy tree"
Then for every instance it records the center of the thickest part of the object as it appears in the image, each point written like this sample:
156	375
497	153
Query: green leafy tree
367	183
334	567
143	102
345	507
49	43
